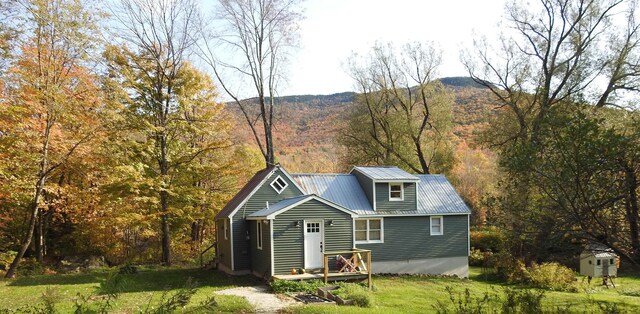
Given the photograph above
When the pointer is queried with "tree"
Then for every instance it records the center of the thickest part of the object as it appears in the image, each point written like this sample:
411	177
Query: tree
160	34
256	40
53	110
557	74
402	115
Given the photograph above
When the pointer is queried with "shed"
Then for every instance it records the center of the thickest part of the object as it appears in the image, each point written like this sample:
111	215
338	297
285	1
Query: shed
598	260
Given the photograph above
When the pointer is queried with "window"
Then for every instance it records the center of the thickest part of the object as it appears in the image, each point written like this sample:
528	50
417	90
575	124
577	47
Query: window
259	234
396	192
436	225
369	230
598	262
279	184
225	229
611	261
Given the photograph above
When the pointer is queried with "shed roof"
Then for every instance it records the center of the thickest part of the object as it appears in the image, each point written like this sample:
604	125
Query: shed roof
599	250
288	203
246	191
385	173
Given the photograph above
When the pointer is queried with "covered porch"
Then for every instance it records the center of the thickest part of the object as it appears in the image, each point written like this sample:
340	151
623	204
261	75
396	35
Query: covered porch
354	264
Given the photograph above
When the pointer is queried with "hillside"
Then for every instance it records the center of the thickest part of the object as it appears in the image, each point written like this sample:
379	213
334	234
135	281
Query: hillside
306	125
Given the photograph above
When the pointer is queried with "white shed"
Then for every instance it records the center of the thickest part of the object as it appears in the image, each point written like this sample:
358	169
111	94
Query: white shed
598	260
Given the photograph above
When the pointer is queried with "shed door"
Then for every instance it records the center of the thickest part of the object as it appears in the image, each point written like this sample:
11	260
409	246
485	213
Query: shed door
313	244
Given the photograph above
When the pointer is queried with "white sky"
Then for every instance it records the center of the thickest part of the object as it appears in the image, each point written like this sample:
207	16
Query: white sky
333	29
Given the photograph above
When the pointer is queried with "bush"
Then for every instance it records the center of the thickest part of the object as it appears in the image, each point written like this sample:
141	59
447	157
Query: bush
553	276
510	269
525	301
479	258
284	286
487	239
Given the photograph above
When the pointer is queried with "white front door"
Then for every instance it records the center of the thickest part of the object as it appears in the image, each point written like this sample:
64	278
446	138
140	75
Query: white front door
313	246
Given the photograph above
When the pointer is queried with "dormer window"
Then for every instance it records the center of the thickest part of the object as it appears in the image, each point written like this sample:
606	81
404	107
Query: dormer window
396	192
279	184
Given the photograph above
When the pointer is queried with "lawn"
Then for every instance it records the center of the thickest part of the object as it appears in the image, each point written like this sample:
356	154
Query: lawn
137	290
421	294
407	294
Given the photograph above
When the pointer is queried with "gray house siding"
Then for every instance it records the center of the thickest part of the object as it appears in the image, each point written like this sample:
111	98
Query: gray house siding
366	184
382	198
261	258
223	250
257	201
289	240
408	238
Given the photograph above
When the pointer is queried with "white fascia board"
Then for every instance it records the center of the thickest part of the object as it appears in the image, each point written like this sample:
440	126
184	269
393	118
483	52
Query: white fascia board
233	266
235	210
272	250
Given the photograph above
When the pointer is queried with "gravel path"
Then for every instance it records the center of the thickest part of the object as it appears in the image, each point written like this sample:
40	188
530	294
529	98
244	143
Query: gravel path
260	297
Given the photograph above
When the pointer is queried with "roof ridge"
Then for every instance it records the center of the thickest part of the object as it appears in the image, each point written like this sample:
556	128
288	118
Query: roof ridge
321	174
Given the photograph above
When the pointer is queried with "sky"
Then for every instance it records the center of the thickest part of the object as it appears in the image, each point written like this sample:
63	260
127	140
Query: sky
333	29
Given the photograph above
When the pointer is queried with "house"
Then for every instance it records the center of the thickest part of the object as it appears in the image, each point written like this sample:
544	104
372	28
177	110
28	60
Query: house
278	221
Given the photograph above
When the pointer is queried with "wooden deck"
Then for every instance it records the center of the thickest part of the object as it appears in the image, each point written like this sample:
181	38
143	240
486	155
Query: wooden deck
331	276
354	264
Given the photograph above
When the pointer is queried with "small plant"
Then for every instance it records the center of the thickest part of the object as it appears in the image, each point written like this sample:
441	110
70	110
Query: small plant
356	293
463	303
525	301
180	299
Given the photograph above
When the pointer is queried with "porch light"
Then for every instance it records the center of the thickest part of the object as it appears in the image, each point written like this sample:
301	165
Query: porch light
297	224
330	222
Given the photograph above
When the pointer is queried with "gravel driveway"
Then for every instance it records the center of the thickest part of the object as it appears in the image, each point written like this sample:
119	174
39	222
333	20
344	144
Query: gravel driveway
260	297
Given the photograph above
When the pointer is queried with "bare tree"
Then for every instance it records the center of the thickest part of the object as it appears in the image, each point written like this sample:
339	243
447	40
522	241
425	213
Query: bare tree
256	37
559	51
160	32
402	113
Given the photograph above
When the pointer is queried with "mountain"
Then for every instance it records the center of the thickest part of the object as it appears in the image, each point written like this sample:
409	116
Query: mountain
306	125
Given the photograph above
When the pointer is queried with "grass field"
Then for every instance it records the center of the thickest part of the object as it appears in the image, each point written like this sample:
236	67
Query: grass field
392	294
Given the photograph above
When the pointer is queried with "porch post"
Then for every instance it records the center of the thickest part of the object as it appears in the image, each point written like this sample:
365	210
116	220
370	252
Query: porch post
326	267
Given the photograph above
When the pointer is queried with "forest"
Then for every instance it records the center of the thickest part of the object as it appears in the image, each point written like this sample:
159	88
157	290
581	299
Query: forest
123	131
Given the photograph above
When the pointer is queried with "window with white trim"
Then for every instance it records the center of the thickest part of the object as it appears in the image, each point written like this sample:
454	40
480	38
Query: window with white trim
279	184
436	225
396	192
259	234
369	230
225	229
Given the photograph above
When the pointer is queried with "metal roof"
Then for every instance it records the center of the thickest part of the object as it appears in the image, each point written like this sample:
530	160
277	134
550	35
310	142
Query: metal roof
385	173
342	189
279	206
288	203
435	194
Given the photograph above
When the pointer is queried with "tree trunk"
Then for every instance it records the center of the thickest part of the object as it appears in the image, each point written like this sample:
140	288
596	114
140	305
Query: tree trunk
26	241
164	203
632	209
39	237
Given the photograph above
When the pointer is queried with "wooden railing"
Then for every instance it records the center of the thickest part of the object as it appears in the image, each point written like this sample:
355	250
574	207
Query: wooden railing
354	261
205	251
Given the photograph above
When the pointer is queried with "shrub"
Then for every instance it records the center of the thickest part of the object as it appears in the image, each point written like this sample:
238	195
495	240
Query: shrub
479	258
487	239
510	269
552	276
464	303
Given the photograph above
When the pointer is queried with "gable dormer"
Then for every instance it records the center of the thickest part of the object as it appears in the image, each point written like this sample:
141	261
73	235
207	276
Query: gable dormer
388	188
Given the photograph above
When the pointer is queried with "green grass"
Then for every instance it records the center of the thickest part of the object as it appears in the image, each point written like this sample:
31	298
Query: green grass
407	294
137	292
420	294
